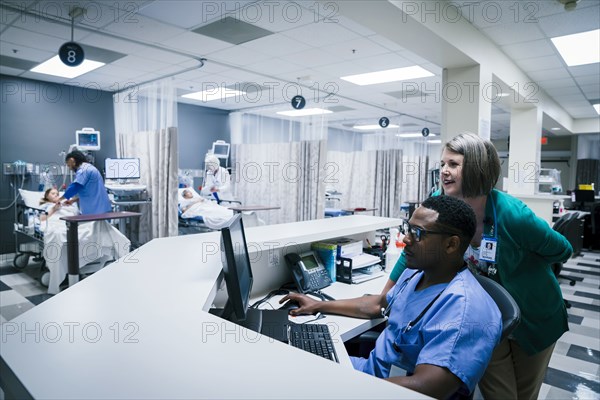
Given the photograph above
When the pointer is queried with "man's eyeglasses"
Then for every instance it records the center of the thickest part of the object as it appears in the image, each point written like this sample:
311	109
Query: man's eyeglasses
417	233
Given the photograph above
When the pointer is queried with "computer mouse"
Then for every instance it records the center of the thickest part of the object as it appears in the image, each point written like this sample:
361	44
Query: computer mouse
289	305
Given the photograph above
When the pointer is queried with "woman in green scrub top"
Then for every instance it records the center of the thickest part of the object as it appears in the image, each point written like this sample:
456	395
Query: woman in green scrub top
515	248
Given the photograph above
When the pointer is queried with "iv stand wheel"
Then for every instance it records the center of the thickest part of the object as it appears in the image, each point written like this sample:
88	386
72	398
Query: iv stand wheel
21	261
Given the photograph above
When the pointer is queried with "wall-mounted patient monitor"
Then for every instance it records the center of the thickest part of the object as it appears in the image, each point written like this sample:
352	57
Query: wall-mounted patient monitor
220	149
87	139
122	168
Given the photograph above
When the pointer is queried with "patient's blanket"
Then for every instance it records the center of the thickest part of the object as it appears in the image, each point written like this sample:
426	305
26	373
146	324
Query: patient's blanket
213	215
96	239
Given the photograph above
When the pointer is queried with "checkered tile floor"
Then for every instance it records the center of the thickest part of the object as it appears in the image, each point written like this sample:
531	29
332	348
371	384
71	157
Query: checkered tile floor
574	371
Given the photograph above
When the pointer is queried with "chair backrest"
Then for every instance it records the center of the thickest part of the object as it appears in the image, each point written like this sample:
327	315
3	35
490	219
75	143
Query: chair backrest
511	314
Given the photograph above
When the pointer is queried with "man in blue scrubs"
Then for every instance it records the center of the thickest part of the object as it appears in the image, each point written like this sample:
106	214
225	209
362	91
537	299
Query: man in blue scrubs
442	325
88	185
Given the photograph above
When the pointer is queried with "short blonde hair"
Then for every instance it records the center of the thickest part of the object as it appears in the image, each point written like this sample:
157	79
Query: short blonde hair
481	164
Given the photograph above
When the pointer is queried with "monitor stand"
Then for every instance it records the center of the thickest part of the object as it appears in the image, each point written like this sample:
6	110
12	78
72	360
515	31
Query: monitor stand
271	323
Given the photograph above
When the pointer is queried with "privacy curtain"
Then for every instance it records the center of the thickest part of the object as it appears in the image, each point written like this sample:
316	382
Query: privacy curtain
279	163
146	128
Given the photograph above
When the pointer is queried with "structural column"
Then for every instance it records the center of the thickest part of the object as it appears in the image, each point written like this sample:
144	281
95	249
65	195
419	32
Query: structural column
466	101
524	150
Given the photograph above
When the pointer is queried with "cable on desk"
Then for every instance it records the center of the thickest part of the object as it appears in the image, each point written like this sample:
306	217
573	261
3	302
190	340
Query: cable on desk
269	296
318	317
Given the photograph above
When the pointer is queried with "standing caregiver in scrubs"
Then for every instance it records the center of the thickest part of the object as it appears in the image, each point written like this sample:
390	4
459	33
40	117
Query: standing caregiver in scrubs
515	248
88	185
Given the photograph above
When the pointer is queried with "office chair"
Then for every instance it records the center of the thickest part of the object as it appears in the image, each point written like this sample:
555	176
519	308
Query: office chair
511	314
570	227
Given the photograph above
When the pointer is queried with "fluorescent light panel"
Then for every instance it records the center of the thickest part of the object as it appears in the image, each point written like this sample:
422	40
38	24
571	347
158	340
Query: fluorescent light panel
437	141
412	135
597	107
579	48
305	112
373	127
56	67
219	93
390	75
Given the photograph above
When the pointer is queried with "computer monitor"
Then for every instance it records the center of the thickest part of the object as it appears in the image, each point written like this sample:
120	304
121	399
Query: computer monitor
87	139
122	168
220	149
236	269
584	196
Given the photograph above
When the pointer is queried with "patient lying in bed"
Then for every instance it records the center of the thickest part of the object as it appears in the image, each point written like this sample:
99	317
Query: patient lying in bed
193	205
97	240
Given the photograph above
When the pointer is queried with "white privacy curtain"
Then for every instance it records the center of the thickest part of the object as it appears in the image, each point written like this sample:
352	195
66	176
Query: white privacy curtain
146	128
279	163
385	173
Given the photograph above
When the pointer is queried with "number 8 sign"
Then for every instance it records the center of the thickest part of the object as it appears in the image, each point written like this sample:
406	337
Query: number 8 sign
71	54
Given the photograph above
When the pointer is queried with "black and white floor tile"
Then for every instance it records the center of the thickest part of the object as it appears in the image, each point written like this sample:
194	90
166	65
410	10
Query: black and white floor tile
574	371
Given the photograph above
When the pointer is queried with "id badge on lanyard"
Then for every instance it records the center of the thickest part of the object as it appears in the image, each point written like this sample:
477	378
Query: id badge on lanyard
489	246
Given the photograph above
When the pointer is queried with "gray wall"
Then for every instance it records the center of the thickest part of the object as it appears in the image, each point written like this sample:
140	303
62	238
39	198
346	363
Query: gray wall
38	120
199	127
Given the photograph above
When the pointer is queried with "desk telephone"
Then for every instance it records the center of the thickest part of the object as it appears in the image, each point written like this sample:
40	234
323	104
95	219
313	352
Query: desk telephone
308	272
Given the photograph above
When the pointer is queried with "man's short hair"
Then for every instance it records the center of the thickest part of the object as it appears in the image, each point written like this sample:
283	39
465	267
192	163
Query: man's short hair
77	156
455	214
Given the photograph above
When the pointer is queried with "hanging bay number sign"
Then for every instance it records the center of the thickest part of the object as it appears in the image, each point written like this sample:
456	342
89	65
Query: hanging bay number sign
384	122
71	54
298	102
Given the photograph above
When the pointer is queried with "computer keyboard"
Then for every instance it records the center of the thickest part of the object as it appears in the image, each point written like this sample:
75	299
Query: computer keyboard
314	338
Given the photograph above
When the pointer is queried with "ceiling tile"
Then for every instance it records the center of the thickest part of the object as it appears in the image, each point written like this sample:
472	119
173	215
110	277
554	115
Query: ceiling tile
556	83
106	42
189	14
350	24
194	43
384	61
592	92
534	48
583	70
579	20
25	53
355	49
548	74
279	16
387	43
312	58
10	71
237	55
513	33
36	24
139	63
540	63
31	39
321	34
563	91
276	45
144	29
161	55
588	80
341	69
274	66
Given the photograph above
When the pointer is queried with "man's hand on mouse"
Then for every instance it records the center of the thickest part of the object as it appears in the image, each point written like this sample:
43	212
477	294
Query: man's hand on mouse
307	305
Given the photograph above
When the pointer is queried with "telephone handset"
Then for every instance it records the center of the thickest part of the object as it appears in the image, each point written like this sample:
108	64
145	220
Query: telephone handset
308	272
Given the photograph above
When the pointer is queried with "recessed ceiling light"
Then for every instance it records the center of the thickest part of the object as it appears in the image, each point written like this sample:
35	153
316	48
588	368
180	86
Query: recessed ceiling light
556	128
434	141
304	112
579	48
56	67
412	135
390	75
219	93
373	127
597	107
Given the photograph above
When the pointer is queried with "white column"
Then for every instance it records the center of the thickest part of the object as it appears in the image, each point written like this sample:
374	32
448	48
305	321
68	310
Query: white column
466	105
524	150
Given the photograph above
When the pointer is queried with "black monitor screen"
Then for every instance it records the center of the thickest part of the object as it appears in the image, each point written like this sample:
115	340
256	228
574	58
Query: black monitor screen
236	267
122	168
584	196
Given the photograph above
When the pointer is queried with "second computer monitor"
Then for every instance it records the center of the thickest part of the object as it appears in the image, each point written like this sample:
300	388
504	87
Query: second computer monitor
122	168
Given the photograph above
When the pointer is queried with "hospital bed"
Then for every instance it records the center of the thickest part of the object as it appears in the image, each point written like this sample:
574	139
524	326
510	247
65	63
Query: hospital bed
99	242
202	216
210	214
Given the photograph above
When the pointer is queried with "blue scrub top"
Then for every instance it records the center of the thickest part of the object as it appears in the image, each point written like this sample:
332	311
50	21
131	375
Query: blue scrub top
458	332
93	198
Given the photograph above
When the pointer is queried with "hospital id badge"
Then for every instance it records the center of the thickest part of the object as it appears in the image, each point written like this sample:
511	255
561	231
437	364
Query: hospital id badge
487	250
